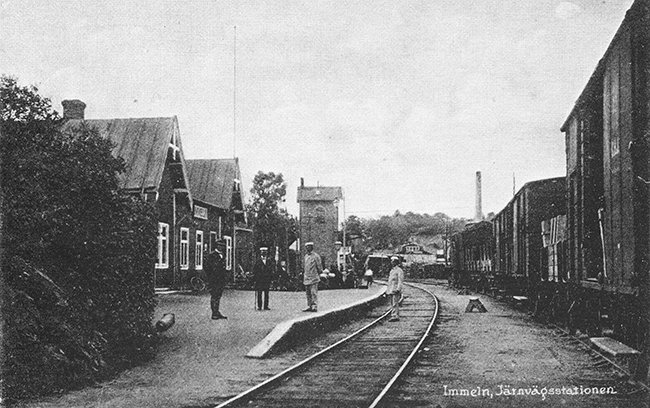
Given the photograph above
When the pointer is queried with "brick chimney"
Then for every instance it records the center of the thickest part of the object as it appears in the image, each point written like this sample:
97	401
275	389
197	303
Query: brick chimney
479	203
73	109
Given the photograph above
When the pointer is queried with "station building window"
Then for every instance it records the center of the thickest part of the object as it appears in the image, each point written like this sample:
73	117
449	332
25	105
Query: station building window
185	248
162	261
228	252
198	255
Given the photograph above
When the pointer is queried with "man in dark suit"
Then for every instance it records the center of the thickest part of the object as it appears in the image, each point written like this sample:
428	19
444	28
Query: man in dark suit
215	270
263	274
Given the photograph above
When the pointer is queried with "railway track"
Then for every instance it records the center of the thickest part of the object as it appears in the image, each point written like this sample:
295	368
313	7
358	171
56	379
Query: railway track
357	371
422	384
601	370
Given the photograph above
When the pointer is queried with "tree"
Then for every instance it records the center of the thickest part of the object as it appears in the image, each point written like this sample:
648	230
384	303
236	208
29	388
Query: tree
23	104
77	257
388	232
353	226
268	192
272	225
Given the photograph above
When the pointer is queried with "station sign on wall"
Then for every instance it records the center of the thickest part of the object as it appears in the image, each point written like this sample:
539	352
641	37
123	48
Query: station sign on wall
200	212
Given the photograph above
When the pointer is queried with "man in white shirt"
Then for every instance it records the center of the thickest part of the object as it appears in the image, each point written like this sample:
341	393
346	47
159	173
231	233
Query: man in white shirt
394	287
313	267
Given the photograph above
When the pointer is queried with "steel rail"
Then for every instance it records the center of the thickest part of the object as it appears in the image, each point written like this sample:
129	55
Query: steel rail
413	353
295	367
591	350
257	388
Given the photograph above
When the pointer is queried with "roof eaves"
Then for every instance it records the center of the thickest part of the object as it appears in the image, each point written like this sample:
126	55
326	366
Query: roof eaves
600	67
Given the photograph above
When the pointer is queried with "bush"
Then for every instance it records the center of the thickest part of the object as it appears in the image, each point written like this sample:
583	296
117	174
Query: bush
45	342
87	249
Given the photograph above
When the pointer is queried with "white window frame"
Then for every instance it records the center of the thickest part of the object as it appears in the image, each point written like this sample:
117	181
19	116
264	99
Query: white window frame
198	255
185	248
228	252
163	246
220	232
213	239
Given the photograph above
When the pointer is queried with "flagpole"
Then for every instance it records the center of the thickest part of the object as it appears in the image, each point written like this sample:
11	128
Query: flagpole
234	95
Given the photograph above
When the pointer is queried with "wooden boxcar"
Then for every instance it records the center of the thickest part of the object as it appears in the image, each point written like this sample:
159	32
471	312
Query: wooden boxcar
471	255
518	234
607	138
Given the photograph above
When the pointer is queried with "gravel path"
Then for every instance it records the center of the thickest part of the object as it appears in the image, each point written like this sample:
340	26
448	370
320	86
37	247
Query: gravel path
200	362
501	351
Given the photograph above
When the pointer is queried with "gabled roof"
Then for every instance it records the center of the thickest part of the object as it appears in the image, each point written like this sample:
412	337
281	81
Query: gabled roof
143	143
212	181
319	193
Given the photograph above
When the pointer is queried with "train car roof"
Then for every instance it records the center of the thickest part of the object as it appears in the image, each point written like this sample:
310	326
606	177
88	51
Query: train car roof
591	88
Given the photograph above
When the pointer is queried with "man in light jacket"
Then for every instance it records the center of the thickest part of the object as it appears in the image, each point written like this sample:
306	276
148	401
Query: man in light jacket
313	269
395	281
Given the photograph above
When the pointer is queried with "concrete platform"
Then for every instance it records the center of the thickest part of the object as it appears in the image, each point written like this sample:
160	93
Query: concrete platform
300	329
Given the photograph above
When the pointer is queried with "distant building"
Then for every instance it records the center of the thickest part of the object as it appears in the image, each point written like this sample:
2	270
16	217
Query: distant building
414	252
319	219
412	248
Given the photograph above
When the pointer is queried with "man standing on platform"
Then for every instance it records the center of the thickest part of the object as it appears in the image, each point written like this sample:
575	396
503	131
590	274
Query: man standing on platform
313	267
394	289
215	270
263	274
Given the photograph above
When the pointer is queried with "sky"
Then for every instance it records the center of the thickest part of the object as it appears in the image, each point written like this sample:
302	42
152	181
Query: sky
397	102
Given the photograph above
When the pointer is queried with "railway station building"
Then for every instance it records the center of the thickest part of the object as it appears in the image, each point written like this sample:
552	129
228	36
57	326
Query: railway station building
218	208
157	172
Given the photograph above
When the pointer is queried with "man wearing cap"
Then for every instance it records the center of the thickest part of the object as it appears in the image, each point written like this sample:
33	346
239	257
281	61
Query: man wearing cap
313	267
215	270
394	287
340	271
262	275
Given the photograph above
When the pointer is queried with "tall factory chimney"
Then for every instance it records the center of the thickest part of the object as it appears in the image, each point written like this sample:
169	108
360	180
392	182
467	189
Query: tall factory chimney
479	210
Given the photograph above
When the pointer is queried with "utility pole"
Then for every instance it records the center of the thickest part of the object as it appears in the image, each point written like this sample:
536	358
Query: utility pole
234	96
344	223
445	242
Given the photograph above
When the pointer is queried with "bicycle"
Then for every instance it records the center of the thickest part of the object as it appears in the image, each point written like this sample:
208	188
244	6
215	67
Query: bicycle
197	283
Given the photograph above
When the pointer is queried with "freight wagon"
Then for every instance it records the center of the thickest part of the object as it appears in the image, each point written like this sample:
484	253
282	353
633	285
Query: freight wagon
517	231
590	270
607	138
471	251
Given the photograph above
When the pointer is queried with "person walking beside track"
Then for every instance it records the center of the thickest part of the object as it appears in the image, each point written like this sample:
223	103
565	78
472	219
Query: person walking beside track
262	274
394	287
313	268
217	276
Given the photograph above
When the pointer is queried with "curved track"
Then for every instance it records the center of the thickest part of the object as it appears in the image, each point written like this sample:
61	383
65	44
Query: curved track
357	371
